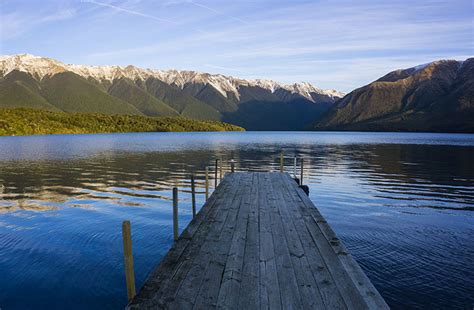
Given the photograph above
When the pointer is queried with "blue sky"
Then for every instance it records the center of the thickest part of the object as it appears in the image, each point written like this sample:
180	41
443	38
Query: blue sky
331	44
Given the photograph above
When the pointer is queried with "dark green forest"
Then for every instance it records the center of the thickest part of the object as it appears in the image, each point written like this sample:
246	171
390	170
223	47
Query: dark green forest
31	121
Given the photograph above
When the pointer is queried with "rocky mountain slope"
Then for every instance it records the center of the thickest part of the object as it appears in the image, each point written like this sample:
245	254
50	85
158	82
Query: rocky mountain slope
38	82
438	96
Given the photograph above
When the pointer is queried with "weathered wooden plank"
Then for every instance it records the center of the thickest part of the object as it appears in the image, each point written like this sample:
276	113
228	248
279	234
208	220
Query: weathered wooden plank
232	276
167	277
311	296
289	292
328	290
269	287
193	277
158	279
249	288
219	247
198	260
362	283
352	295
344	283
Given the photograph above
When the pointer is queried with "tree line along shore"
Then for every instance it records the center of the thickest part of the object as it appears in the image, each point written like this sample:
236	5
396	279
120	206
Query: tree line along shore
31	122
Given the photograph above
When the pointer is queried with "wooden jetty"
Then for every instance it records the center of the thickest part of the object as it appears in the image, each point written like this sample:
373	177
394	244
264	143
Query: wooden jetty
258	242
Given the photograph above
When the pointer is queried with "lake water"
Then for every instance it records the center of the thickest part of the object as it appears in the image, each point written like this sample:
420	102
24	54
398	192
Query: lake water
403	204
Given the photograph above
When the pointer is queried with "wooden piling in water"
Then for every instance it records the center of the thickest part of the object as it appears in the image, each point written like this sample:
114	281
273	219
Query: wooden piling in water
232	166
193	195
175	213
281	161
207	183
215	173
220	170
294	167
128	258
301	176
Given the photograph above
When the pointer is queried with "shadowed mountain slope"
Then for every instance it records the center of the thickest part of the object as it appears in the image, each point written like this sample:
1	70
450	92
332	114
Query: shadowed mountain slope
438	96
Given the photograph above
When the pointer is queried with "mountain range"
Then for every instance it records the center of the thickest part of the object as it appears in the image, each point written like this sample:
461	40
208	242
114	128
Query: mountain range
38	82
434	97
438	96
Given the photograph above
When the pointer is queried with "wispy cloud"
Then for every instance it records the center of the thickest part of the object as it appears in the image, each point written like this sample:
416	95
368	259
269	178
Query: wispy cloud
240	20
140	14
128	11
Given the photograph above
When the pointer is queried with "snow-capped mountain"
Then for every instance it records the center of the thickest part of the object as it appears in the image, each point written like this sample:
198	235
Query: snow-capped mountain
29	81
40	67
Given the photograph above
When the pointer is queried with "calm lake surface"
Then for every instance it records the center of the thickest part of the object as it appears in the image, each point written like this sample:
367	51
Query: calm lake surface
403	203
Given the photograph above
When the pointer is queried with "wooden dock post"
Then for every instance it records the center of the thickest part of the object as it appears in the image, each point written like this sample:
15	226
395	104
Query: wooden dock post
220	170
232	166
175	213
281	162
301	176
294	167
193	195
207	183
215	173
128	258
